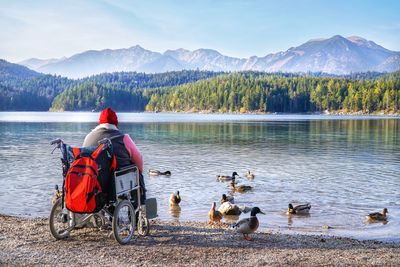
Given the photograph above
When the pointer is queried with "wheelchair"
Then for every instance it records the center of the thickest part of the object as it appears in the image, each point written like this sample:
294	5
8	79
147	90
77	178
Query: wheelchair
124	212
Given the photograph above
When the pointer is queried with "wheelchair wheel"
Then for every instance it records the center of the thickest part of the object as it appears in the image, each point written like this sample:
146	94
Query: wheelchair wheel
59	221
123	223
143	227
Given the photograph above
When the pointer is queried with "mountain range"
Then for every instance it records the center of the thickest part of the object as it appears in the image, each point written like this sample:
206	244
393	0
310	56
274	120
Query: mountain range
335	55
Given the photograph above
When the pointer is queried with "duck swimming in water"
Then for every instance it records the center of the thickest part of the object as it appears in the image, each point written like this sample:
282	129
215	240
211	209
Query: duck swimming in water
214	215
226	198
157	173
377	216
175	198
249	175
303	209
249	225
227	178
240	188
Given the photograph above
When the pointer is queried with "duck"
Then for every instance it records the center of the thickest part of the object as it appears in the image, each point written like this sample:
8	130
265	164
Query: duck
227	208
226	198
57	194
157	173
377	216
175	198
299	209
227	178
214	215
248	226
240	188
249	175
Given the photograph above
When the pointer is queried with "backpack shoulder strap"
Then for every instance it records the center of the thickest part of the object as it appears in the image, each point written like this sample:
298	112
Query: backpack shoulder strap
115	137
96	153
102	145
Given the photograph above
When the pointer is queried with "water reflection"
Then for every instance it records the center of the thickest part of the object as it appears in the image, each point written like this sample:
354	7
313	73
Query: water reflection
175	211
345	168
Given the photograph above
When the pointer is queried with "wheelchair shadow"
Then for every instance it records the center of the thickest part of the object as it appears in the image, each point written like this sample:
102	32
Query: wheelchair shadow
202	235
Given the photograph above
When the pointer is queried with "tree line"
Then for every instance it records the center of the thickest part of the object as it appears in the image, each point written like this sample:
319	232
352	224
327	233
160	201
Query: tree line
247	92
24	89
193	90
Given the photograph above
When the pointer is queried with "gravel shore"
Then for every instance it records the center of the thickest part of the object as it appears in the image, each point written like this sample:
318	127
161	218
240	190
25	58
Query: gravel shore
29	242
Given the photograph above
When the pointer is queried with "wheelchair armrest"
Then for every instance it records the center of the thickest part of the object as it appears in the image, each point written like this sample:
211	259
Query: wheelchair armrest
126	169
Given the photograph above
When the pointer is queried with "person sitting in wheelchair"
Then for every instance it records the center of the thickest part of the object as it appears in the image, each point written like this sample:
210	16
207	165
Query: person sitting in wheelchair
124	148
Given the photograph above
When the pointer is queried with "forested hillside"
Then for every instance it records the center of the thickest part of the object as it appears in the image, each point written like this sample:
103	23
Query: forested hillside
25	89
244	92
124	91
22	89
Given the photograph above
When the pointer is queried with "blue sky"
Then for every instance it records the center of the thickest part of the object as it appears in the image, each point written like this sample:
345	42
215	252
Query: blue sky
52	29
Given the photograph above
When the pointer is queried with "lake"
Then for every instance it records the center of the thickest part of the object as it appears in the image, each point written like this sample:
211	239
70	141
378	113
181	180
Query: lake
345	166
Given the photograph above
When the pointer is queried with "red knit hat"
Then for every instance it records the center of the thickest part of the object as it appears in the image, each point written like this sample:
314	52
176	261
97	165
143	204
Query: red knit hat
108	116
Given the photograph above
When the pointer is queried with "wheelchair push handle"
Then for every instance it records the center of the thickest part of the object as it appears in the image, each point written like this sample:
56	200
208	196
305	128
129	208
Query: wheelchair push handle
104	141
56	141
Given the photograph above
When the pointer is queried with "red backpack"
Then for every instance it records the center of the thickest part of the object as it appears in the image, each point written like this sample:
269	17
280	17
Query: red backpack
82	190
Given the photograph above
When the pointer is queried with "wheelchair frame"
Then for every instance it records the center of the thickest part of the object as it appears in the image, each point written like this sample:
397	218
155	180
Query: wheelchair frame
125	181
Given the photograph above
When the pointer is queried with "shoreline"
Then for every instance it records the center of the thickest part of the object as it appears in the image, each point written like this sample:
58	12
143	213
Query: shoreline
322	113
206	112
27	241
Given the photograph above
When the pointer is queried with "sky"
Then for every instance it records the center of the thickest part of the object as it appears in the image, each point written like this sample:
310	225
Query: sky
54	29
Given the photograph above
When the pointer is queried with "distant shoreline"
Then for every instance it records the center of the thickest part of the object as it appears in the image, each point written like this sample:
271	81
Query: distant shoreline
27	241
206	112
327	113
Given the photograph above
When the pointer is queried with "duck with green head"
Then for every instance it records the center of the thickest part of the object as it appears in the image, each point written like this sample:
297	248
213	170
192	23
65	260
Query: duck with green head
249	225
303	209
157	173
226	177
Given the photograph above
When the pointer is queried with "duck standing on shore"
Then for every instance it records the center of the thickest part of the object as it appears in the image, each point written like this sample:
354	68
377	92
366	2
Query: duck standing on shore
249	225
226	177
303	209
240	188
214	215
175	199
377	216
227	208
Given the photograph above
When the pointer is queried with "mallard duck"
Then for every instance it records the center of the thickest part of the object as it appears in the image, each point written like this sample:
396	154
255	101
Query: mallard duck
228	208
175	198
249	225
240	188
226	198
249	175
57	194
299	209
157	172
377	216
214	215
227	178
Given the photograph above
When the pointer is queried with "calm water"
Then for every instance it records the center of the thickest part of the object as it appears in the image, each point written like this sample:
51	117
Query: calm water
345	167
